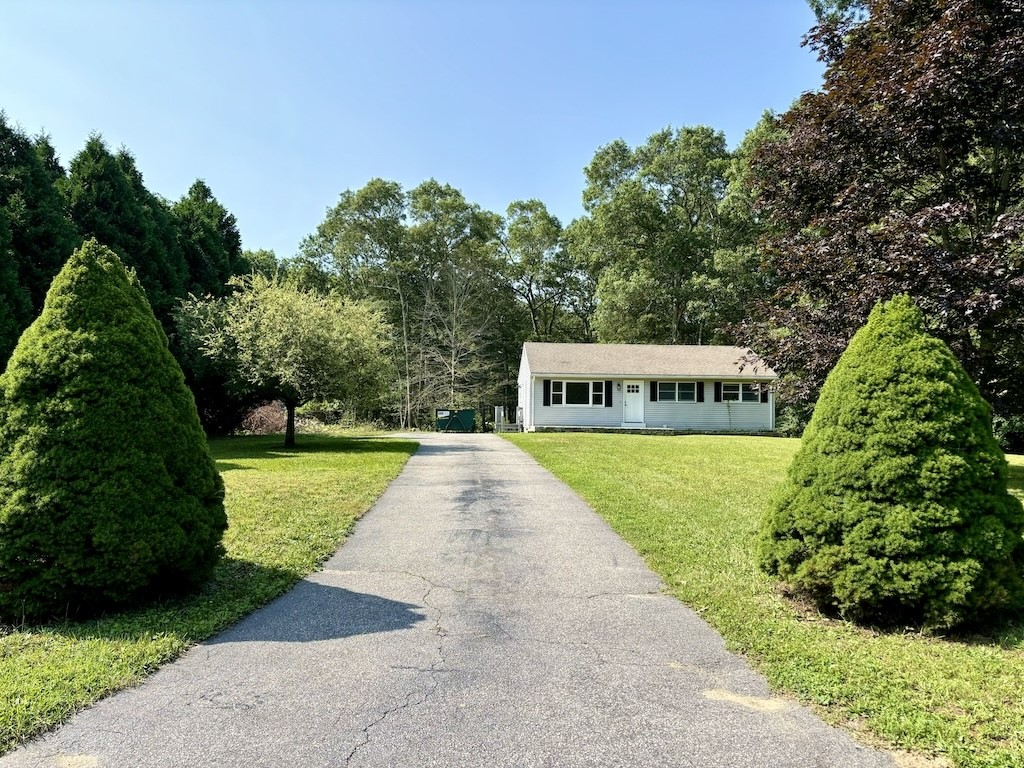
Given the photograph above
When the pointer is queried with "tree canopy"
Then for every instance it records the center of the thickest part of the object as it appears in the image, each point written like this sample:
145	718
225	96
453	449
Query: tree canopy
903	174
433	262
107	200
649	239
281	342
36	237
208	234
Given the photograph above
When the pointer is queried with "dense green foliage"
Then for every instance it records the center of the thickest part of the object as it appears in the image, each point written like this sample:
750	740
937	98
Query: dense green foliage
435	264
288	512
210	240
15	305
903	173
649	239
540	271
896	510
107	200
279	341
35	234
191	246
108	494
953	701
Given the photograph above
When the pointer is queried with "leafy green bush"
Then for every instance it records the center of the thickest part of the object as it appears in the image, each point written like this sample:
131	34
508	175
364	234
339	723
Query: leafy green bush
896	511
108	494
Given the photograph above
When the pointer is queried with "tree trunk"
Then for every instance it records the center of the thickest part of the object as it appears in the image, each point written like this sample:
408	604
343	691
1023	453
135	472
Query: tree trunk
289	430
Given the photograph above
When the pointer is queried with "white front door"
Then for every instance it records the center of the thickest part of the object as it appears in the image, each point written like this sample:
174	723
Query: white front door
632	402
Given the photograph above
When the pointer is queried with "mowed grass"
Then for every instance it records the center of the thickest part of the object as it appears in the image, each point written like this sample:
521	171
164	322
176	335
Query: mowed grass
288	510
691	505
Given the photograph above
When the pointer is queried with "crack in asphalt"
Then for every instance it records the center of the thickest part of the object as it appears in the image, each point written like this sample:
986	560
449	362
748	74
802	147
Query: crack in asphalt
418	697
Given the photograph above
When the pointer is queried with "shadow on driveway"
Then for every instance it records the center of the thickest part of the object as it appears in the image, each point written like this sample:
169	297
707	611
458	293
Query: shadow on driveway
312	611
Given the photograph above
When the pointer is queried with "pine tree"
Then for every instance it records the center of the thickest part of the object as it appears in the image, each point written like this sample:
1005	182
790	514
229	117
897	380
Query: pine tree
107	200
108	494
41	237
896	511
210	239
15	306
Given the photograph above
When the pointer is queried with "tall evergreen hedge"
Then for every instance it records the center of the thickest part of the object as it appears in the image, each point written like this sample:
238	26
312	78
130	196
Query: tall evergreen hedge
895	511
108	494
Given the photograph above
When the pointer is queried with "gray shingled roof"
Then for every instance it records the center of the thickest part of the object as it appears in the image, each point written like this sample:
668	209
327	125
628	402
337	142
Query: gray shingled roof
645	360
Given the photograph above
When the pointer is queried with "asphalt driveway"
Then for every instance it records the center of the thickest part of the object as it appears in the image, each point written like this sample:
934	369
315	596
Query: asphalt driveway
480	615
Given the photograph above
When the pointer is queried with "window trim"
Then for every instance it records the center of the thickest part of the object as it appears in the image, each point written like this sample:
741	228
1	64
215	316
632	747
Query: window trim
742	392
747	388
676	388
595	391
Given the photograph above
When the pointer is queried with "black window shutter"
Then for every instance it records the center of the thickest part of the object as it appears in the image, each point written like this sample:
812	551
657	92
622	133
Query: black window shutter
608	394
764	394
547	391
700	391
654	391
718	391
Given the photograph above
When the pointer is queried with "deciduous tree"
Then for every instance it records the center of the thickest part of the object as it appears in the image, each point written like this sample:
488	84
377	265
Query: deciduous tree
282	342
431	259
539	267
904	173
652	233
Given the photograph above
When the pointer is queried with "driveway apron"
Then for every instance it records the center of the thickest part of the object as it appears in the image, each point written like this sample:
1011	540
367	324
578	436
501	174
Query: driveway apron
480	615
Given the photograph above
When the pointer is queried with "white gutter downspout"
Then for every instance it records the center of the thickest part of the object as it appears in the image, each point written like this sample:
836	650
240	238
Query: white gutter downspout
533	396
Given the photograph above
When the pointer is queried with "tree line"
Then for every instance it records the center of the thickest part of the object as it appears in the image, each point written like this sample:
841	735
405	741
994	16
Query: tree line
664	254
902	175
188	246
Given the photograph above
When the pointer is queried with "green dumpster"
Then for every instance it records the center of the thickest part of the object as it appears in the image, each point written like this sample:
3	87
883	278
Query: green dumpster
451	420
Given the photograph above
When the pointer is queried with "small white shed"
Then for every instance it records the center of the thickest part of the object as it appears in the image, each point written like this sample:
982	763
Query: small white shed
645	386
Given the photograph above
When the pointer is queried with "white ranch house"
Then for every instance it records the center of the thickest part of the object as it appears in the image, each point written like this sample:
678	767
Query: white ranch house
644	386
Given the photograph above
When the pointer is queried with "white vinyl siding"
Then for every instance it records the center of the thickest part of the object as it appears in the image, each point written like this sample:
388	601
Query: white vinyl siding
525	393
569	415
707	416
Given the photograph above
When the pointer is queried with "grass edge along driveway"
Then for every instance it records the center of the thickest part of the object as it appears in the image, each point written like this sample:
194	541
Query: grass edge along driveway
288	511
690	505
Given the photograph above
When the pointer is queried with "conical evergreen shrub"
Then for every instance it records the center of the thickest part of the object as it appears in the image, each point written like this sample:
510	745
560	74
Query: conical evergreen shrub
895	511
108	494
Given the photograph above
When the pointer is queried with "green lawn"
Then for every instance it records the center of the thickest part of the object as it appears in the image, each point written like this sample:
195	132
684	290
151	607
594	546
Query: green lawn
288	510
690	505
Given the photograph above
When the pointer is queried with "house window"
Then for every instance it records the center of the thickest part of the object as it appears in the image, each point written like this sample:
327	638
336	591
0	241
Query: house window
677	391
577	393
736	392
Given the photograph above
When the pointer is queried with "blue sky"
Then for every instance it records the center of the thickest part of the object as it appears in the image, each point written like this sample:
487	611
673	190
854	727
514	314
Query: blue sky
280	106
